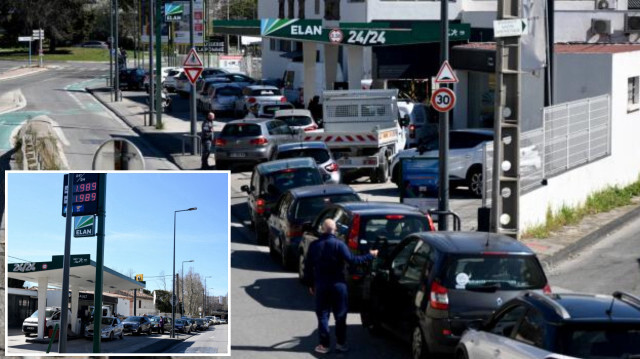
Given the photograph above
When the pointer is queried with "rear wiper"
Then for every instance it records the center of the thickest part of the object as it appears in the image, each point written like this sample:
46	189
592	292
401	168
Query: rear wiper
487	287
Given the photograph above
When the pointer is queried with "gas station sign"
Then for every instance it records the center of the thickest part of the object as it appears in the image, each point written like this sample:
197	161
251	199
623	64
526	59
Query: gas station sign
85	194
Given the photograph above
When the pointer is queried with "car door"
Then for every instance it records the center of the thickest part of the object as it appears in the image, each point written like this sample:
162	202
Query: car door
253	192
528	339
316	228
490	342
277	220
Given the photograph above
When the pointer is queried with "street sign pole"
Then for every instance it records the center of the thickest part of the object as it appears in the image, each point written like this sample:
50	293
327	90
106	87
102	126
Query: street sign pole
116	48
443	195
158	76
110	82
41	54
97	305
151	79
62	344
192	99
30	53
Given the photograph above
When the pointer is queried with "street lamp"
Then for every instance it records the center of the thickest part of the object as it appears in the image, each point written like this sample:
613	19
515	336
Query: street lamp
204	300
182	286
173	291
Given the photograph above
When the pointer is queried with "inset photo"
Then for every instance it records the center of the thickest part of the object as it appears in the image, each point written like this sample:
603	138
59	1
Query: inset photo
148	250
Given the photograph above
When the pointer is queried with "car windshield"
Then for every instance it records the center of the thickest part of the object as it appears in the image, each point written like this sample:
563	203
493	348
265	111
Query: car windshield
279	182
48	313
107	321
229	91
320	155
308	208
179	321
602	341
296	120
503	271
265	92
154	319
173	72
393	227
133	319
241	130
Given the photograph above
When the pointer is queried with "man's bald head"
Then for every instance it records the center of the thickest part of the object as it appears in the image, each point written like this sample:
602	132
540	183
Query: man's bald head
329	226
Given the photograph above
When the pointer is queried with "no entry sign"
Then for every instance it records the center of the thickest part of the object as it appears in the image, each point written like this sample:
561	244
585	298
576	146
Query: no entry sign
443	99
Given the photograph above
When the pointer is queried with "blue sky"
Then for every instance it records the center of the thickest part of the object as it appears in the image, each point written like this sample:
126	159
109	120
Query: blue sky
139	223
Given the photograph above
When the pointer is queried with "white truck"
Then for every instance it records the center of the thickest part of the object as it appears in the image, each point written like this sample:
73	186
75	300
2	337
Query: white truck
363	130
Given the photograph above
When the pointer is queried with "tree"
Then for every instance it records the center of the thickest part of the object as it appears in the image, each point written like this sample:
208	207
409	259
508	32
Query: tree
193	292
238	9
163	301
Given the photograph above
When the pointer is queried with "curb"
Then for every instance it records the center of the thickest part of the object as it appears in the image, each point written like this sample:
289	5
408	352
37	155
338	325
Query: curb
590	239
22	75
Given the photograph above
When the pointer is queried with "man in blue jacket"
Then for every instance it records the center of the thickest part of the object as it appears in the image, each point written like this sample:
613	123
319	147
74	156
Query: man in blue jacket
325	276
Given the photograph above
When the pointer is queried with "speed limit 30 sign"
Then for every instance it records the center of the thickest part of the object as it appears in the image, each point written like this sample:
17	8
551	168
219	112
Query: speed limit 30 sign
443	99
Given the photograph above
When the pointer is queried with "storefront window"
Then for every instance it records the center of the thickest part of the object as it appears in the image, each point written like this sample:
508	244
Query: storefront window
481	99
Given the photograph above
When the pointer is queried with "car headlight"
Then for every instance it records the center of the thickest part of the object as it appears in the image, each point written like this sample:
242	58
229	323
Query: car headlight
106	329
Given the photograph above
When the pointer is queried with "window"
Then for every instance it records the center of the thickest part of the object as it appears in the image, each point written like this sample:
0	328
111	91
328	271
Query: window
531	329
290	9
632	94
416	265
281	9
332	9
503	325
301	9
316	7
401	259
139	304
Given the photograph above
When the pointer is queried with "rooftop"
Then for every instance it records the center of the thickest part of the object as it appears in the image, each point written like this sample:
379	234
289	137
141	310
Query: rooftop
567	48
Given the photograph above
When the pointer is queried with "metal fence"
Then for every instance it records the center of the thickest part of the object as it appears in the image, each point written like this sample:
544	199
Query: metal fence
573	133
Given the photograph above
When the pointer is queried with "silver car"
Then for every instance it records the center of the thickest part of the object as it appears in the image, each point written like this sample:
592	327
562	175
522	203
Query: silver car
250	141
222	97
203	93
110	328
297	119
317	150
258	95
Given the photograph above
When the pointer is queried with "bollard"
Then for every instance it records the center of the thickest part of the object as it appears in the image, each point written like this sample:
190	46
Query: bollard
53	336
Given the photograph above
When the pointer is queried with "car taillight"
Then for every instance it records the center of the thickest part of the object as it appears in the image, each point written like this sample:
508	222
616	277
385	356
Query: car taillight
332	167
412	131
251	100
494	253
221	142
352	240
260	141
439	298
431	226
546	289
394	216
294	231
260	206
311	128
283	99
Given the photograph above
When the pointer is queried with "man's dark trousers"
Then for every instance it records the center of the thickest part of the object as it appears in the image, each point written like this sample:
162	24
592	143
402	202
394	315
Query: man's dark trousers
332	298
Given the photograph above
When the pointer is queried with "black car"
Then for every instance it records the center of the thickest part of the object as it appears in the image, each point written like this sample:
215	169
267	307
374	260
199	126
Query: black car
137	325
295	208
434	284
155	324
363	226
132	79
182	326
191	323
534	325
269	181
201	324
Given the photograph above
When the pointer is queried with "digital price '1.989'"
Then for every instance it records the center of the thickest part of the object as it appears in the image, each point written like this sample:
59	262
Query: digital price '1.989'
85	187
87	197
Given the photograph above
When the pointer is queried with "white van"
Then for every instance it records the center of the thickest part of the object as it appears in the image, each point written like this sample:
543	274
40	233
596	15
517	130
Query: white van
51	318
419	124
293	80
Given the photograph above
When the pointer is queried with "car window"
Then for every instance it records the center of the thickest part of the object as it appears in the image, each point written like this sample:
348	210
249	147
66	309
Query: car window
400	260
531	329
107	321
228	91
416	265
280	128
505	323
296	120
330	213
601	340
270	110
56	316
506	272
343	222
460	140
320	155
393	227
241	130
307	208
279	182
265	92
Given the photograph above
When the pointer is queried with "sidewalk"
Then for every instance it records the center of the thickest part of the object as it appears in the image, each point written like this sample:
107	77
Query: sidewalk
561	245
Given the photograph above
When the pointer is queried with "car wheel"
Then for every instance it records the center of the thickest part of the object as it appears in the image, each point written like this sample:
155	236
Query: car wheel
139	331
419	348
301	267
381	174
461	353
111	336
121	335
474	181
272	248
288	263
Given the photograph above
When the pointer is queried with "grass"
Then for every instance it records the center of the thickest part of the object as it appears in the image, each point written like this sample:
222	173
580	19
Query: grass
61	54
597	202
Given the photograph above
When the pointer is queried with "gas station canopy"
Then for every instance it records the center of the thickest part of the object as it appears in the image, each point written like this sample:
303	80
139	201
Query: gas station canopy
345	33
82	273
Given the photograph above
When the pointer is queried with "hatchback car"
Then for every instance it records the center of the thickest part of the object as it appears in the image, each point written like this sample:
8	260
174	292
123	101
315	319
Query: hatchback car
434	284
250	141
171	79
182	326
317	150
132	79
137	325
301	119
202	91
361	225
296	207
269	181
201	324
110	328
560	325
222	97
257	95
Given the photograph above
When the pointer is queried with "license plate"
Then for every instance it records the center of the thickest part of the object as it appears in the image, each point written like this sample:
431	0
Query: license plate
237	154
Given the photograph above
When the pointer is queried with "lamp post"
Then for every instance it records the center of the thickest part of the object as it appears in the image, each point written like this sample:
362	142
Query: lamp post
204	300
182	286
173	291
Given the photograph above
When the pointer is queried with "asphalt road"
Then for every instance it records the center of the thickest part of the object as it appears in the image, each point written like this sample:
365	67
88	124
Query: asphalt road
611	264
82	123
8	65
214	340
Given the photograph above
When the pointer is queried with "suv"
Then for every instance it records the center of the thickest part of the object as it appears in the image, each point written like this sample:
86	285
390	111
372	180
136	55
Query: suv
434	284
137	325
250	141
270	180
560	325
132	79
318	150
361	225
296	207
51	318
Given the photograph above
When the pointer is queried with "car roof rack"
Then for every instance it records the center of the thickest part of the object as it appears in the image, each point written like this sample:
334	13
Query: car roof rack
559	309
627	298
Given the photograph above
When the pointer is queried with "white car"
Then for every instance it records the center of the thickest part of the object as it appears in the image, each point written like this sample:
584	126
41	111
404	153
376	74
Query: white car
170	81
223	321
52	317
297	119
110	328
419	125
258	95
164	73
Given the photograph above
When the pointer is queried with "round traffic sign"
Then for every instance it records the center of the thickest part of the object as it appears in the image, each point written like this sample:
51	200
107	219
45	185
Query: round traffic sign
443	99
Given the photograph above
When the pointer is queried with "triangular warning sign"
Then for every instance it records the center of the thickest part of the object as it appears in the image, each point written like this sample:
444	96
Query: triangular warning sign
192	60
193	73
446	75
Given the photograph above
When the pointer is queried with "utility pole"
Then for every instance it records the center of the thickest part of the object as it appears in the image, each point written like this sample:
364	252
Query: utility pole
228	44
506	156
111	82
158	63
62	344
443	195
117	49
192	98
151	79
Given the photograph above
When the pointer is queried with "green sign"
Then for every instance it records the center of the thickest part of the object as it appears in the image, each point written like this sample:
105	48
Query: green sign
85	226
361	34
173	11
55	263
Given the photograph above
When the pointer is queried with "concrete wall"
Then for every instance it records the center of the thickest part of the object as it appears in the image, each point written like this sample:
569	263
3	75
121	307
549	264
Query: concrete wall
621	168
581	76
575	25
409	10
124	307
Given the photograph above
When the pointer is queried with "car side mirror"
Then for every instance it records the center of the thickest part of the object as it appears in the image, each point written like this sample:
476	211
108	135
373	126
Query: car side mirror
245	188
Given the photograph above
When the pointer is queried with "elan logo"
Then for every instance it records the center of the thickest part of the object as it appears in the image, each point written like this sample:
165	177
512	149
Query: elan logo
306	30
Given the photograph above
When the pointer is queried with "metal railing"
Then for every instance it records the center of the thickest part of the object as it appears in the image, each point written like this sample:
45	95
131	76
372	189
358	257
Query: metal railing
185	137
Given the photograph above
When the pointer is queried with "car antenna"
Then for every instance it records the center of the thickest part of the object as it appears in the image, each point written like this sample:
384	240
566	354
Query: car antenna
610	309
487	243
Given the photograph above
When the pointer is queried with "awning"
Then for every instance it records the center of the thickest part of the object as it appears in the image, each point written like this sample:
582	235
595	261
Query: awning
377	33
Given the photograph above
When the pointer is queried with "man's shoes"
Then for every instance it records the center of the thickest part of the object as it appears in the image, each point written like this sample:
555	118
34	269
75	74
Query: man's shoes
342	348
322	349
